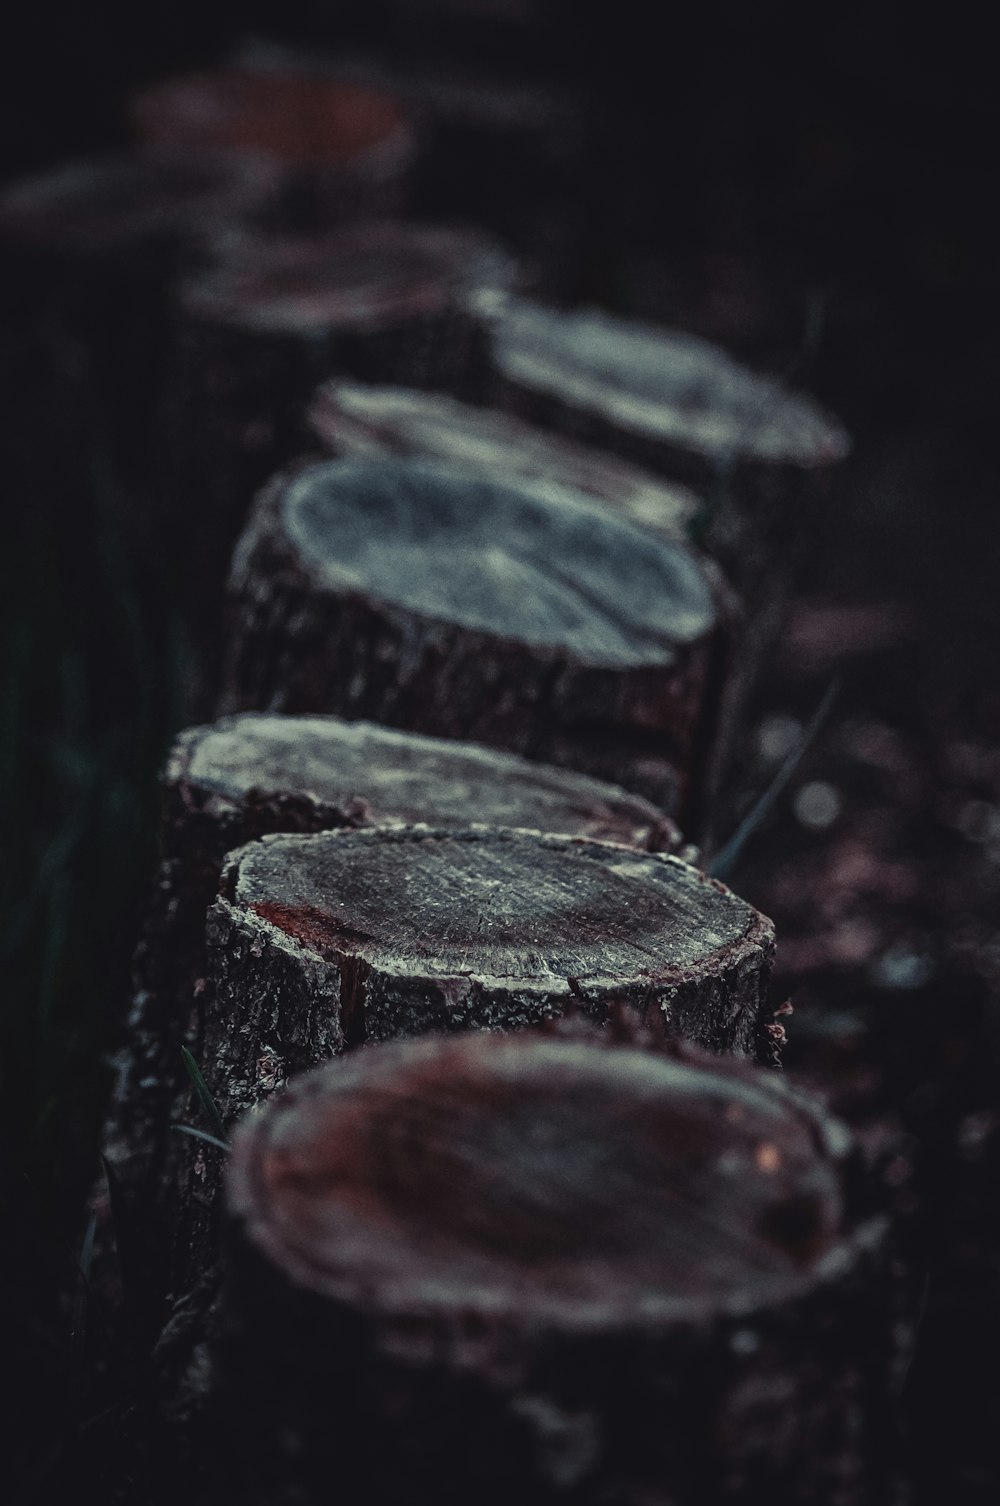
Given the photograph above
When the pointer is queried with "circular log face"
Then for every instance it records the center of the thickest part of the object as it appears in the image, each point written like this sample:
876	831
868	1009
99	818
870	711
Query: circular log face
360	278
372	775
303	118
417	930
517	908
357	421
106	203
664	386
540	1180
538	566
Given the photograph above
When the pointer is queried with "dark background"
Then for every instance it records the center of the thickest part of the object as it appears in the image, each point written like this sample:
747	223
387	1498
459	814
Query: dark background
813	187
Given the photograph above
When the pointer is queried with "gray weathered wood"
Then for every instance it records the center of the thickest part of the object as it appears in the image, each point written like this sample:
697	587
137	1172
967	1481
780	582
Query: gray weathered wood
245	776
256	332
494	1269
358	421
516	614
756	453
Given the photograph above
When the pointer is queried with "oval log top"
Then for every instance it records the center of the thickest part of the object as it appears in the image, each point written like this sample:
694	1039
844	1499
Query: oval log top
104	204
547	1270
672	389
363	774
517	1173
362	277
357	421
550	569
414	930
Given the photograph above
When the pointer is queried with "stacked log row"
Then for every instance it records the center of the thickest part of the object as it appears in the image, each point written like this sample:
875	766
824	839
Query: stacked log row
238	779
259	330
492	151
676	404
344	148
331	940
433	598
496	1268
684	408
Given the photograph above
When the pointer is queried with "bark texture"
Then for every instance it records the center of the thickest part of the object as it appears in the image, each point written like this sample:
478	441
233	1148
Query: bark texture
517	615
756	453
496	1269
245	776
258	331
319	943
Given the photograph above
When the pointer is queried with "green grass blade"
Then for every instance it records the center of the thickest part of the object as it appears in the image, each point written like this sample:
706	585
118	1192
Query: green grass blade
203	1096
197	1134
728	855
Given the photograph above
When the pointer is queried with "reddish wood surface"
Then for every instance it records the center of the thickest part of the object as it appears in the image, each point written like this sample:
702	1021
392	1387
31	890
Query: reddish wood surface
492	1269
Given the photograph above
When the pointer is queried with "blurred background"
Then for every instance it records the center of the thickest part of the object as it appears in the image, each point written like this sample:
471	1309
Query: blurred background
812	188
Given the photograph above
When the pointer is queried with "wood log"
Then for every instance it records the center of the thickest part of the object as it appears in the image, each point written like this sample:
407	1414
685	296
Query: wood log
492	1269
493	151
754	451
240	778
259	330
358	421
325	941
88	252
521	616
345	147
673	402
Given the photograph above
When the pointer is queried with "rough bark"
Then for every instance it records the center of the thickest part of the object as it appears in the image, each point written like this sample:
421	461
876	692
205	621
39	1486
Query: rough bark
755	452
510	613
257	332
246	776
319	943
494	1269
345	147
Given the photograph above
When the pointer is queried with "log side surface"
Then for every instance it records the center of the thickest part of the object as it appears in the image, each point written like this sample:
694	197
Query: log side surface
514	614
515	1268
240	778
680	401
270	319
322	940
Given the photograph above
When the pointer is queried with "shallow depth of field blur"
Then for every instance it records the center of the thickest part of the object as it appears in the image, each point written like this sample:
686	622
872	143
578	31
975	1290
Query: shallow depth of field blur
807	189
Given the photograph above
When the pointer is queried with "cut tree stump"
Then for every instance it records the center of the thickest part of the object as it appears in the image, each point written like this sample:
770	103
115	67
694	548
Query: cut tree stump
322	942
494	1269
357	421
240	778
345	147
754	451
515	614
258	331
670	401
89	251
